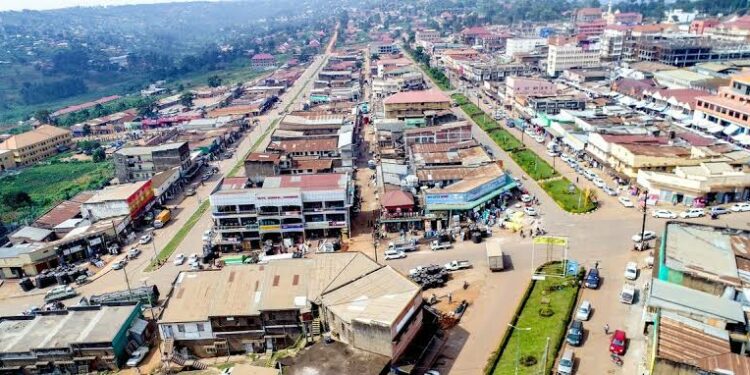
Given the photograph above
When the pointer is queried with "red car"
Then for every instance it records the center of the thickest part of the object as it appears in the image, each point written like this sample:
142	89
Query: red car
617	343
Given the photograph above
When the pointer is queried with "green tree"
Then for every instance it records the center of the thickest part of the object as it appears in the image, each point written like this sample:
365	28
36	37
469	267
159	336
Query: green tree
147	108
186	99
44	116
99	155
214	81
17	199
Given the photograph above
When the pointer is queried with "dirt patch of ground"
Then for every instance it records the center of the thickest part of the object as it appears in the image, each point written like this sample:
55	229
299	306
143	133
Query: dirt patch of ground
336	358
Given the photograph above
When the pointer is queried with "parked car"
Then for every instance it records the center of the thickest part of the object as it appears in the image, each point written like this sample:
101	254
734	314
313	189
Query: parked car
531	211
617	342
692	213
598	182
718	211
589	174
664	214
631	271
565	366
584	311
134	253
647	236
526	198
137	356
609	191
625	201
592	278
193	258
118	265
740	207
457	265
575	333
146	238
179	259
394	254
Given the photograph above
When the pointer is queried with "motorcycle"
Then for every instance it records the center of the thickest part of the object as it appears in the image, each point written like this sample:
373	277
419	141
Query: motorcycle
616	359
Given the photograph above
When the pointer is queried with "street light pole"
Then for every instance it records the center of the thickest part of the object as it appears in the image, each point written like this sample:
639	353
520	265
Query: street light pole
127	281
518	345
643	221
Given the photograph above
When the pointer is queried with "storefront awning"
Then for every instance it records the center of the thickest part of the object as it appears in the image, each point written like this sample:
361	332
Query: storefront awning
471	205
743	139
731	129
713	129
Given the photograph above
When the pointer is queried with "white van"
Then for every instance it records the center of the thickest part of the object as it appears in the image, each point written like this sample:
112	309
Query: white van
565	367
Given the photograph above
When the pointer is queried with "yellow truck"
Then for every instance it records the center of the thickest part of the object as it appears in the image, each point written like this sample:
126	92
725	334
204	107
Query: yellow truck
162	218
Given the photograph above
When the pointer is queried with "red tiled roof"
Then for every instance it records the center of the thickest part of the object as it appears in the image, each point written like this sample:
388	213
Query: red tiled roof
307	145
262	56
424	96
263	157
397	198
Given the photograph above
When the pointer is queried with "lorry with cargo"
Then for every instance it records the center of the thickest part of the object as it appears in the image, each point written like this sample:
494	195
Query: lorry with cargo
495	255
162	218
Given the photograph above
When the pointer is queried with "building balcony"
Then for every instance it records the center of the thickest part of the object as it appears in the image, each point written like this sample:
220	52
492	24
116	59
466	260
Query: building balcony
229	213
236	227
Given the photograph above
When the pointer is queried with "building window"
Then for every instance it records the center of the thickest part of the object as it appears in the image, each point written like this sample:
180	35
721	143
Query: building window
181	328
200	327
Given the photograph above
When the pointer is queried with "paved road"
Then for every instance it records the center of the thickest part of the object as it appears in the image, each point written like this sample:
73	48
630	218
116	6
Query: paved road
601	237
163	278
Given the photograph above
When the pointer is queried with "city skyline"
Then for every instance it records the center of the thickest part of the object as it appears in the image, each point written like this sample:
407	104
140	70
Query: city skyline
18	5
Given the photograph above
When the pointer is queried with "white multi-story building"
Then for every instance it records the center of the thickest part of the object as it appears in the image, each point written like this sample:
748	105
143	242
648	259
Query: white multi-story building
515	46
428	35
566	53
286	207
612	42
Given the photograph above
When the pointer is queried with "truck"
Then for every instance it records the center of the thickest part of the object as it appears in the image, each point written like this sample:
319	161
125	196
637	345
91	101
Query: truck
162	218
495	255
403	245
627	295
457	265
59	293
437	245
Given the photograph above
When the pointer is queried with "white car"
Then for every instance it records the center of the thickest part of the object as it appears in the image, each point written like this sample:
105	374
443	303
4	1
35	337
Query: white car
119	265
625	201
193	258
598	182
740	207
531	211
610	191
146	238
539	139
664	214
584	311
526	198
692	213
394	254
631	271
589	175
553	153
137	356
647	236
179	259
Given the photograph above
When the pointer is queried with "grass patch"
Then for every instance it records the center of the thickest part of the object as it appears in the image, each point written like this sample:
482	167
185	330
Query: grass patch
533	165
171	246
556	295
577	201
49	184
504	139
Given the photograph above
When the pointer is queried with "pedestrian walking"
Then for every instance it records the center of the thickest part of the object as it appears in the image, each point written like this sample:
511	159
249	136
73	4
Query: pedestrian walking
606	329
450	298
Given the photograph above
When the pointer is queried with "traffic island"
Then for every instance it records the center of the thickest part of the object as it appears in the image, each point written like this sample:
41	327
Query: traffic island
540	323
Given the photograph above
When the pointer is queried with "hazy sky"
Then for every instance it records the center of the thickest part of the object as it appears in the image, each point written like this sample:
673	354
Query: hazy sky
56	4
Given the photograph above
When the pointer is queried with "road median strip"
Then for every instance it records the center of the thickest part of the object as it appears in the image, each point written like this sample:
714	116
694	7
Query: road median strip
543	313
569	197
172	245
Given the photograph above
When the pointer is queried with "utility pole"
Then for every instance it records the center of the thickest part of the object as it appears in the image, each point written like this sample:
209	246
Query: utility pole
643	221
127	282
518	345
